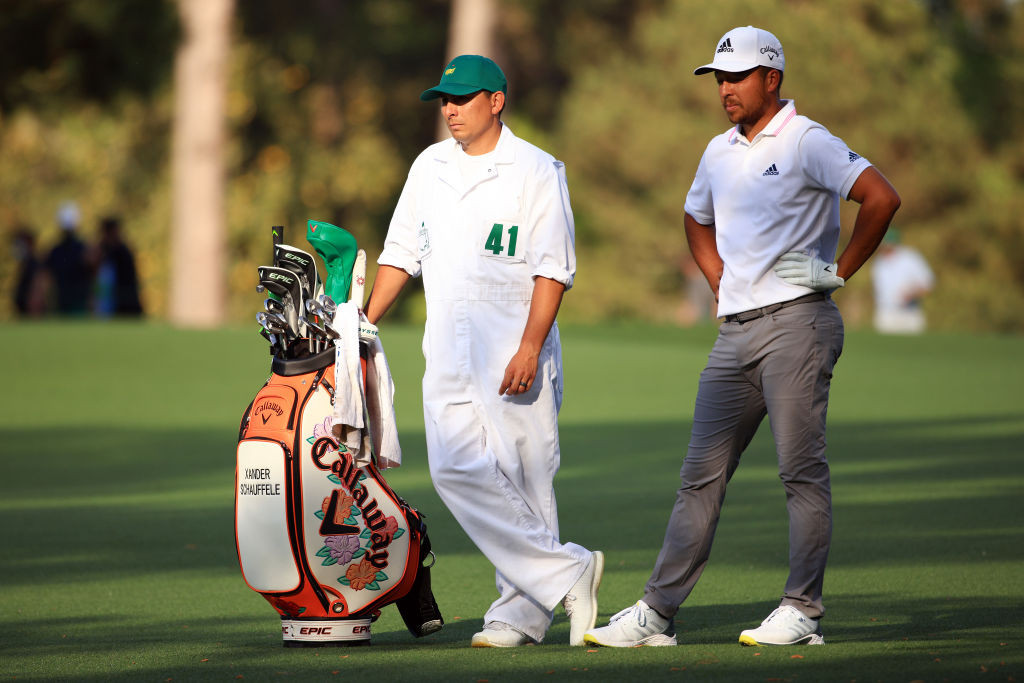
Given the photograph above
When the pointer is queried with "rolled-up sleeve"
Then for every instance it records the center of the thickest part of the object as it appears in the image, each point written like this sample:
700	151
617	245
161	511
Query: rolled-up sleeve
401	244
553	232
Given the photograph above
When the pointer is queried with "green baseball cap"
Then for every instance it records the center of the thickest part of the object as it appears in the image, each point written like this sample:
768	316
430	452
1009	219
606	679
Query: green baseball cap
467	74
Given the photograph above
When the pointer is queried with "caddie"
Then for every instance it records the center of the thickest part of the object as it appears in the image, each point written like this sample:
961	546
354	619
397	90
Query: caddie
762	222
484	218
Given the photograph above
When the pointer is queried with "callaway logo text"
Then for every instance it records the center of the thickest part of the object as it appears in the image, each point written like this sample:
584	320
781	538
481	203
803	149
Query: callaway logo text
326	457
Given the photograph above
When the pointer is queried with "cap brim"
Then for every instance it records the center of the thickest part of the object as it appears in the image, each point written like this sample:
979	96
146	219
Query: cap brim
729	67
449	89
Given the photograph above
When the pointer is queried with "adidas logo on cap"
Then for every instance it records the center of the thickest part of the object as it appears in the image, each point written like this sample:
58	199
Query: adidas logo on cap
744	48
772	170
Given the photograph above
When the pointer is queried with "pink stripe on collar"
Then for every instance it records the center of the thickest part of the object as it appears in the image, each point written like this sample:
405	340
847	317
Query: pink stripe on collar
789	118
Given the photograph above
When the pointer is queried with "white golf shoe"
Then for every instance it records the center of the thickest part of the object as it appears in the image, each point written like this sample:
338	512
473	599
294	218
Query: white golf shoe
500	634
635	626
580	602
785	626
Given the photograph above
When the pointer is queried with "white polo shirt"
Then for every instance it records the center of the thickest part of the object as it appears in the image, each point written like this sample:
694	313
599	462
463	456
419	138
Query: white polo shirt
768	196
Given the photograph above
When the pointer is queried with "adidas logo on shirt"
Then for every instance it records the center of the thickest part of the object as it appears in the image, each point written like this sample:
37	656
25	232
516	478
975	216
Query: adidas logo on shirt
772	170
726	46
854	157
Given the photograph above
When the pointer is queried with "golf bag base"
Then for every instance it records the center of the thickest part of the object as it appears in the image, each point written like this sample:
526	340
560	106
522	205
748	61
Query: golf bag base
326	633
323	538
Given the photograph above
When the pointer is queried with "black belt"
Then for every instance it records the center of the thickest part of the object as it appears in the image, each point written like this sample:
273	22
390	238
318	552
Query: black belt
754	314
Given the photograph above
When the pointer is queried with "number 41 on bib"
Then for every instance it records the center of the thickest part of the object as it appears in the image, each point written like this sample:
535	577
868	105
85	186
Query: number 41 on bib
495	240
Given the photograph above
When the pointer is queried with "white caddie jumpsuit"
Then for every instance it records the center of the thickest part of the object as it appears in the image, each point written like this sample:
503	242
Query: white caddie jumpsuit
478	246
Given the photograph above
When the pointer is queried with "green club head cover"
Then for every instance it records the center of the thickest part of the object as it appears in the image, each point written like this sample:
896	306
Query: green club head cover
337	247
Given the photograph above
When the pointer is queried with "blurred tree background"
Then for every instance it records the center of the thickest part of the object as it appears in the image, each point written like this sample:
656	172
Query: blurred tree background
324	119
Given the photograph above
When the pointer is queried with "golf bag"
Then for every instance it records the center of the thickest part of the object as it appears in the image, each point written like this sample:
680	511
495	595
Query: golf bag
321	536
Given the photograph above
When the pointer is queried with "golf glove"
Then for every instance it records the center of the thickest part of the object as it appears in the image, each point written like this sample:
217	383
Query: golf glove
368	332
807	271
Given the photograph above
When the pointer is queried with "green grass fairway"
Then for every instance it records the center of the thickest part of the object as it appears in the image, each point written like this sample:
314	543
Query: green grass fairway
116	520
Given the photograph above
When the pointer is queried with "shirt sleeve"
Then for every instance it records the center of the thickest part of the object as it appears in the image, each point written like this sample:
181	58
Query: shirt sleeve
699	202
828	163
553	231
401	246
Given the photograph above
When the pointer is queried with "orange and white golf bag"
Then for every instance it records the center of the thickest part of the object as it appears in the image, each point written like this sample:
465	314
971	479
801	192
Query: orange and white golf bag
319	532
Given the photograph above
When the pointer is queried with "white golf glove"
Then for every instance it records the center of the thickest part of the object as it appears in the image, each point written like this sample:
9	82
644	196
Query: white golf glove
808	271
368	332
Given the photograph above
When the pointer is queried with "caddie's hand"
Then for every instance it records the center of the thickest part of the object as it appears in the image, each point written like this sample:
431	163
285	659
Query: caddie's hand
520	373
807	271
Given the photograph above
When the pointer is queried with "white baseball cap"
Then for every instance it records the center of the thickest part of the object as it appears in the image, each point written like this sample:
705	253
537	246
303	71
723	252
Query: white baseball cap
746	47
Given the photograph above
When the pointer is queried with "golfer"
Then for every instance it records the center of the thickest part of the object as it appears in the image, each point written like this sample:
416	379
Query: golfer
762	222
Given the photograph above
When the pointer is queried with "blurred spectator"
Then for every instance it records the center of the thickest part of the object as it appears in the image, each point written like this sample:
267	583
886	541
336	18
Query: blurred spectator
117	285
28	299
901	278
698	302
66	265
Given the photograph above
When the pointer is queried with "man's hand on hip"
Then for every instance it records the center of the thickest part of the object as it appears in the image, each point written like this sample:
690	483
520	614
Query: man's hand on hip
807	271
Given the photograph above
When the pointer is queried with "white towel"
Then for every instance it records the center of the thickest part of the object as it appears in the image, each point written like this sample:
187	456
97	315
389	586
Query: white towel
380	405
348	380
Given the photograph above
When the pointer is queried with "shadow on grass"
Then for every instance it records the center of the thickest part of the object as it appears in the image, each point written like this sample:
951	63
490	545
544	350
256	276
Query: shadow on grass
129	499
927	525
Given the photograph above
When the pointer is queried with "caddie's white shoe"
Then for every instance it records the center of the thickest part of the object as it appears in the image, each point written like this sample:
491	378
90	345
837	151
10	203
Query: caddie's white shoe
500	634
785	626
635	626
580	602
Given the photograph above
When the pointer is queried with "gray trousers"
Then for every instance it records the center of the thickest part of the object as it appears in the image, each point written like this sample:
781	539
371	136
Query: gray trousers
780	365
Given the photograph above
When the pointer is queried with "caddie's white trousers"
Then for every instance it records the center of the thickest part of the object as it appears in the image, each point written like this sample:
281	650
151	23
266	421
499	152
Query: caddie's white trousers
498	486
